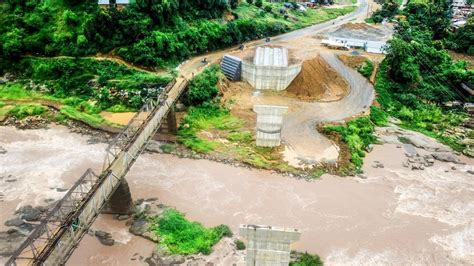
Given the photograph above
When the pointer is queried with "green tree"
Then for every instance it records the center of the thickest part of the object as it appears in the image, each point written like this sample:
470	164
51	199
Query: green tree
259	3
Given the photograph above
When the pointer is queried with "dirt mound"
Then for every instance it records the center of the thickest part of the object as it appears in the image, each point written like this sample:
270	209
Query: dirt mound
360	31
356	26
317	81
354	61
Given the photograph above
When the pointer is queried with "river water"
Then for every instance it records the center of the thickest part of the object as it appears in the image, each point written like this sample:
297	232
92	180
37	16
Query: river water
395	216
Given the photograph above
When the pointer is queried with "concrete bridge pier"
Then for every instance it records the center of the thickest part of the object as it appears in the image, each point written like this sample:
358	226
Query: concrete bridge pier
169	125
121	201
171	121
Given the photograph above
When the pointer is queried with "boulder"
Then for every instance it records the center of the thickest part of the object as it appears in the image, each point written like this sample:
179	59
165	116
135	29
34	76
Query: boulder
101	234
161	252
107	241
445	157
173	260
10	241
139	227
29	213
123	217
14	222
2	150
369	148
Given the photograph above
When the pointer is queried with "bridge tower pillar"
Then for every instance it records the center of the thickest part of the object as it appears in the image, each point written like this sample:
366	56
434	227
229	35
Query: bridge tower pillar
121	201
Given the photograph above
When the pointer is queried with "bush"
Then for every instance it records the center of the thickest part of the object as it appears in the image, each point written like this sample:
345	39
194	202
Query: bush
259	3
366	68
306	259
234	4
250	1
24	110
181	236
358	134
203	87
378	116
239	244
268	8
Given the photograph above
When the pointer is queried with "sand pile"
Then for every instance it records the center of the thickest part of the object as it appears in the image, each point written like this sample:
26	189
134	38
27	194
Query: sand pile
353	61
360	31
317	81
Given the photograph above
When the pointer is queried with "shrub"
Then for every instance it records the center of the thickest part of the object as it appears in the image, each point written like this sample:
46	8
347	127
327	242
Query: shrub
259	3
268	8
366	68
358	134
306	259
181	236
203	87
24	110
239	244
378	116
234	4
250	1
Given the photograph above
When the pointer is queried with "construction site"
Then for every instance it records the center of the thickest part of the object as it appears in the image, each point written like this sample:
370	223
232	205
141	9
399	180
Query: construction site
264	149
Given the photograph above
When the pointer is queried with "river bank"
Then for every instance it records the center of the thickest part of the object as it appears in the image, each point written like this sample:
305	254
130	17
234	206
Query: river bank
389	215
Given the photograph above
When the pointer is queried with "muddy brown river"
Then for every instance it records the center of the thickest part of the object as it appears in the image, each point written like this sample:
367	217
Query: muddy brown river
395	216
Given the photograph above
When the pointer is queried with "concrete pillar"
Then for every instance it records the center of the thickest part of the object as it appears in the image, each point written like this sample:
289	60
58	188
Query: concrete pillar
269	124
268	245
171	121
121	201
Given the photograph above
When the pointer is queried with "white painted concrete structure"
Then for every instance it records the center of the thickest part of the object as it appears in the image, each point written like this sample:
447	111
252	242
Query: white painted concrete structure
268	245
270	69
377	47
269	124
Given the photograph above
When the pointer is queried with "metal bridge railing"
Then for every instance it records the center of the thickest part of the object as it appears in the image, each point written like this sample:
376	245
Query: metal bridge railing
54	240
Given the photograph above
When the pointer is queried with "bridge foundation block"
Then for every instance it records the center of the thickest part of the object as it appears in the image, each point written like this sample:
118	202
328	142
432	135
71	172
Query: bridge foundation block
171	121
121	201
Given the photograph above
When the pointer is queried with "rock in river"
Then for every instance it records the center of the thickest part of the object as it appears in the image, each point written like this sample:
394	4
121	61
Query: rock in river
445	157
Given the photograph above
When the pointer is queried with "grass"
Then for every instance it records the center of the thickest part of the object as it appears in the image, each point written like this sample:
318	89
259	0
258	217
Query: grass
24	110
213	129
205	118
93	120
181	236
296	19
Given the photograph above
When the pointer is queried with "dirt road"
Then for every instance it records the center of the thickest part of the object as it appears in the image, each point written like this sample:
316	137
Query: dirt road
305	144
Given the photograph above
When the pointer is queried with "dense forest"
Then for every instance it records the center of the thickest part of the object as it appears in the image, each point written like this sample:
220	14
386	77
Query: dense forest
148	33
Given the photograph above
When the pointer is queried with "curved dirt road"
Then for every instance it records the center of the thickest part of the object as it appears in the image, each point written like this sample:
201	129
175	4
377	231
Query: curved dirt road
306	145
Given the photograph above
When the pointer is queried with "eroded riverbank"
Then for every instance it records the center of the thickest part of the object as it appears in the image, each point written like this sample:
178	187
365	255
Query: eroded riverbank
393	216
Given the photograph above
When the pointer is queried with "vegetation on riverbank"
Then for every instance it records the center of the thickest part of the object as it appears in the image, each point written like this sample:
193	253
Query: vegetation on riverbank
81	88
20	103
358	134
181	236
305	259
